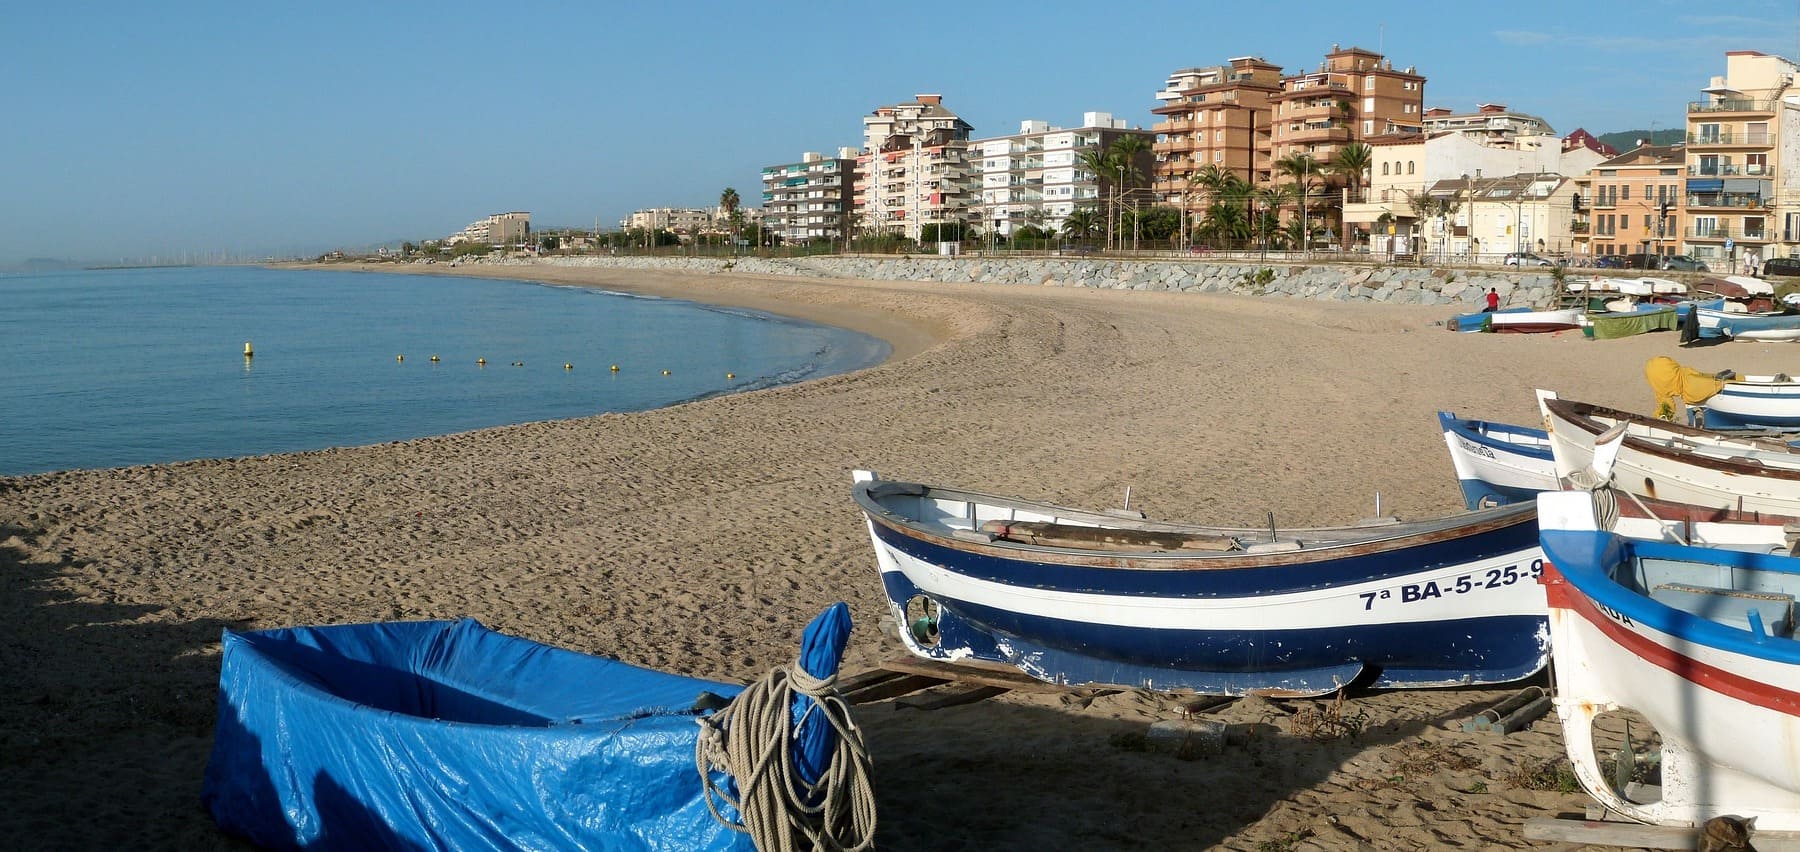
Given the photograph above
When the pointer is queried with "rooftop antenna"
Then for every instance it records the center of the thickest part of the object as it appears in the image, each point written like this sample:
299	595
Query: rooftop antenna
1381	38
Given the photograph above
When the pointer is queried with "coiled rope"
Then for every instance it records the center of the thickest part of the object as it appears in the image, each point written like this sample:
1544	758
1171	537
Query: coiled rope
1606	500
752	738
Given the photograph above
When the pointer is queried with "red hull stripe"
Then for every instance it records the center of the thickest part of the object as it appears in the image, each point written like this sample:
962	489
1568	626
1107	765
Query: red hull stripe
1709	677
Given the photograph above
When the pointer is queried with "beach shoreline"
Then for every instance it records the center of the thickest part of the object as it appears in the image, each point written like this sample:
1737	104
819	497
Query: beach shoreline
699	538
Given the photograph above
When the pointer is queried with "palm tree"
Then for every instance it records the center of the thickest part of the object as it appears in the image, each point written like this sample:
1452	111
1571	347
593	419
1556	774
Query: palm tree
1125	150
1304	170
1211	178
1352	161
1079	224
1104	166
728	202
1271	199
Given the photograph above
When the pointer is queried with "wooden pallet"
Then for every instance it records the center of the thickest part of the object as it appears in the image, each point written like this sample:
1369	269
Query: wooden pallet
1608	829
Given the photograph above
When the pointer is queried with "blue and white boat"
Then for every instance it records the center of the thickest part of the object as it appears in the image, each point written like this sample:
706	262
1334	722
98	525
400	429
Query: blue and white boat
1754	402
447	735
1094	598
1498	463
1700	642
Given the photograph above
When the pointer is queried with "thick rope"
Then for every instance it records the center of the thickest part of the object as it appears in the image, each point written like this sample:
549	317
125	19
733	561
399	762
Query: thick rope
751	739
1606	500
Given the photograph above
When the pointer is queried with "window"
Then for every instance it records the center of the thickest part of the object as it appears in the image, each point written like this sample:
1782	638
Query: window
1368	126
1384	169
1368	84
1368	104
1625	192
1756	164
1409	167
1625	222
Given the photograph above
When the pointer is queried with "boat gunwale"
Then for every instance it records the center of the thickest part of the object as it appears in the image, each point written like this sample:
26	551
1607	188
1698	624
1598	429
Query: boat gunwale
1382	538
1581	415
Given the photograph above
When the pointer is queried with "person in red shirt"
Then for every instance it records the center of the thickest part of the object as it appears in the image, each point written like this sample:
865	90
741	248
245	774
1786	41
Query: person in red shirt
1493	302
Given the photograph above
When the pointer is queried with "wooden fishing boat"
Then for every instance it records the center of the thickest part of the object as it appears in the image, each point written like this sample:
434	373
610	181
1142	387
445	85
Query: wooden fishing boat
1753	402
1699	641
1498	463
1679	472
1077	597
447	735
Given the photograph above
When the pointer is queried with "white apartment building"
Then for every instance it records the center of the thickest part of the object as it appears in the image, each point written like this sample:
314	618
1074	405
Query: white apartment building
1496	216
498	229
1493	121
1402	168
914	169
812	199
684	221
1035	178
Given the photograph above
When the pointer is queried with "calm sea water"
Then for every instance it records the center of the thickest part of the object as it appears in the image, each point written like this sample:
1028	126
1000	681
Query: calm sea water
125	367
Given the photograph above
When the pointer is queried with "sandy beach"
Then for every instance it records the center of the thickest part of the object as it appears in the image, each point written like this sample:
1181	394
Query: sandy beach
701	538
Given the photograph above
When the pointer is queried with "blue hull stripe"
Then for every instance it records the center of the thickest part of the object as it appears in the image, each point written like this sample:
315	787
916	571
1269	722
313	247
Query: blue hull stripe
1212	584
1472	430
1489	650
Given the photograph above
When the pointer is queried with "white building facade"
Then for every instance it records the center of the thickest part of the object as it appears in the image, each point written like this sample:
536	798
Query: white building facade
1035	176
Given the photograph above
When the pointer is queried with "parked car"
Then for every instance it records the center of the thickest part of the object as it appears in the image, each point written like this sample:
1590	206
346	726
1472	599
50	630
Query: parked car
1525	259
1684	263
1609	261
1642	260
1781	267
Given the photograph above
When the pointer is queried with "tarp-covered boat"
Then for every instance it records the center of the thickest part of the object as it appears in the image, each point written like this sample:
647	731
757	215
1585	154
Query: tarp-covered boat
1078	597
448	735
1697	640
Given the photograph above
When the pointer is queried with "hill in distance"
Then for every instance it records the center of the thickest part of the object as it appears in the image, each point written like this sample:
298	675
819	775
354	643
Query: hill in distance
1625	140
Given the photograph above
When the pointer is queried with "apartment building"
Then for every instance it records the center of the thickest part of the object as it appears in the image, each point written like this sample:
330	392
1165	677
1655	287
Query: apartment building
1740	197
811	199
1354	94
1213	116
1403	166
1492	121
1034	177
1631	203
684	221
498	229
1496	216
914	169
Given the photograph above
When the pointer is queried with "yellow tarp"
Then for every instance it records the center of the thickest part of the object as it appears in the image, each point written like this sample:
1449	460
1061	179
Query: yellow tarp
1670	381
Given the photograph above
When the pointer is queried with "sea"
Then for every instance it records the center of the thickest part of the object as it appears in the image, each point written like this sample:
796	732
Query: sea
112	368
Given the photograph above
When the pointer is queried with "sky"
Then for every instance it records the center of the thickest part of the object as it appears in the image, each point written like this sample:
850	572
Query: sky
198	130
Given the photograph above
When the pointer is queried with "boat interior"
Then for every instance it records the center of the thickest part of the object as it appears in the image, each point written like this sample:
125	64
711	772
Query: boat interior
1757	599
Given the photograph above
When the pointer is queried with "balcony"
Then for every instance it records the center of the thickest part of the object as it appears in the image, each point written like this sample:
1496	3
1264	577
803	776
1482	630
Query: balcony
1732	170
1723	231
1729	200
1725	137
1766	107
1577	226
1172	146
1319	133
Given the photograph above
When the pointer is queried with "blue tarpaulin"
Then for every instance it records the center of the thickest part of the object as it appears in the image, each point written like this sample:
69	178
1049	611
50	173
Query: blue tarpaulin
447	735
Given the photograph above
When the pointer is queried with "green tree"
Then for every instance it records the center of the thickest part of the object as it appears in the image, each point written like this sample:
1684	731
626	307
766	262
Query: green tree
1080	224
728	204
1352	163
1304	171
1104	166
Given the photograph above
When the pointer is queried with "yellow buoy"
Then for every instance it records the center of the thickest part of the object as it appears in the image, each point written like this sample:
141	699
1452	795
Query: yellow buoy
730	375
481	361
665	372
248	352
399	357
568	366
434	359
615	368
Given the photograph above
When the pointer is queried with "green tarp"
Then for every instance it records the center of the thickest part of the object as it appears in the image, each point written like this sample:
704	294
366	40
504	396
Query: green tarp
1609	326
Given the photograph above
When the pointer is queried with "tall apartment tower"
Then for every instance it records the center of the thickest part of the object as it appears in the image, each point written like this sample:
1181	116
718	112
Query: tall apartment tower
1740	197
1213	116
1034	177
810	200
1355	94
914	168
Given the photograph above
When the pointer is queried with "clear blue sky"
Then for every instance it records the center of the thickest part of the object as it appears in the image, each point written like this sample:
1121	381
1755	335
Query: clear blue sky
137	129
